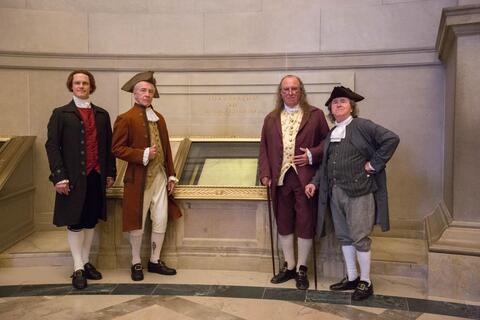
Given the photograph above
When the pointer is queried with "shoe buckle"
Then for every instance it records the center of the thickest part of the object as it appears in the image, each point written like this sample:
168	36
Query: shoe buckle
137	267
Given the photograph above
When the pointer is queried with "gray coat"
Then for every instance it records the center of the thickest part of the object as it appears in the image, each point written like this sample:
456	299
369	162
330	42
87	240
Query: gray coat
66	153
376	144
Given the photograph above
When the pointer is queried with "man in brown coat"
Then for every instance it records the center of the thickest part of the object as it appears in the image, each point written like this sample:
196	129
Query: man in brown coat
291	149
140	137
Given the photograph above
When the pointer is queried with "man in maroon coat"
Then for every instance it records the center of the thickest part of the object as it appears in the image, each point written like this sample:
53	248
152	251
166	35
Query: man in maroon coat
291	149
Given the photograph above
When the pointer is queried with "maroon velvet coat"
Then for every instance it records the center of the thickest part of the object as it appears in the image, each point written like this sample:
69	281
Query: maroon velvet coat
311	133
130	138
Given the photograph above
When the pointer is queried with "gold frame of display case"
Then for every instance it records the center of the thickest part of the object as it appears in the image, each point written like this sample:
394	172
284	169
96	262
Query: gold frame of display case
213	192
4	141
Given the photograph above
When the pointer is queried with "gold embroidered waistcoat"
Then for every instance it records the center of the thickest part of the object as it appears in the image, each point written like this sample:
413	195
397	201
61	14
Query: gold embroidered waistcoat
290	124
155	165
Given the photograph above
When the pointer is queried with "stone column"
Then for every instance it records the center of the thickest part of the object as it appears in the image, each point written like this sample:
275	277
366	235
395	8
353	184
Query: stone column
453	230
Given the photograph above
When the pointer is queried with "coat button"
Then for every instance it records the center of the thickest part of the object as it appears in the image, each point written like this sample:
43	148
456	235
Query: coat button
82	131
82	142
83	173
82	152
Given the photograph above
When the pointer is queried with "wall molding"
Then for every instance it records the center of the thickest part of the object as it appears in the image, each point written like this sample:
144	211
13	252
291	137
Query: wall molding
210	63
445	235
455	22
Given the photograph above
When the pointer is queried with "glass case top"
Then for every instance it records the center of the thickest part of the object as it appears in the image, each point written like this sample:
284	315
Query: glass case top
221	163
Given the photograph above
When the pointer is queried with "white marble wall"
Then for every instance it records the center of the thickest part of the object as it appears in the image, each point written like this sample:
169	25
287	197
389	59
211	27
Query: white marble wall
404	93
217	27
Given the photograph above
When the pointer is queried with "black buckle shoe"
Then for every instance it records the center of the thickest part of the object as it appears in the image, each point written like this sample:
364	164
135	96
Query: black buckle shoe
161	268
91	272
137	272
363	291
344	284
302	279
284	275
79	280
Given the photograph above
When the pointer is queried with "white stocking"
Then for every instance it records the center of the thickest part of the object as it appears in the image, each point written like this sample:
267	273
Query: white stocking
350	253
75	240
304	246
364	259
136	243
286	242
157	243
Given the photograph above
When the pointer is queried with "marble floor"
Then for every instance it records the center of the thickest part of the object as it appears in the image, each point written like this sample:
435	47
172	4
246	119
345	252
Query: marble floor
46	293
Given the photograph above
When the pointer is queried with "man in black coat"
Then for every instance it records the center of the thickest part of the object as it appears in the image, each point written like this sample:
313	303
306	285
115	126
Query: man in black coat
82	167
352	183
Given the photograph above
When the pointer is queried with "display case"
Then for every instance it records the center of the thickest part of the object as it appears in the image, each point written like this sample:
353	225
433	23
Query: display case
17	189
218	168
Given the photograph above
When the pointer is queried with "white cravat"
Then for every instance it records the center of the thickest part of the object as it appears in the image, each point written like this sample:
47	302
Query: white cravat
339	131
291	109
81	103
151	116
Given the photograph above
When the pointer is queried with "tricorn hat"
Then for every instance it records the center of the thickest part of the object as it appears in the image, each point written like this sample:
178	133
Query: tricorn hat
146	76
342	91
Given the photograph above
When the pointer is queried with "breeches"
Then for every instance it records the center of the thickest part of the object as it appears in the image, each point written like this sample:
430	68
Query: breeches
155	199
295	210
93	204
353	218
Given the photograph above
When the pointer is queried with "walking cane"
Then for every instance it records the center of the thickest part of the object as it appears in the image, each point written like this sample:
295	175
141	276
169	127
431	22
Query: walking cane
270	222
314	250
314	259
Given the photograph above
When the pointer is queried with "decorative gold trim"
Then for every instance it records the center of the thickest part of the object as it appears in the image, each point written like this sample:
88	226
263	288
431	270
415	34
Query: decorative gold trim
4	139
115	193
222	139
220	193
196	192
181	156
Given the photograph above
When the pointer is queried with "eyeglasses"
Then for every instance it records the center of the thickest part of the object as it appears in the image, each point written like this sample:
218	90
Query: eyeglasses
293	90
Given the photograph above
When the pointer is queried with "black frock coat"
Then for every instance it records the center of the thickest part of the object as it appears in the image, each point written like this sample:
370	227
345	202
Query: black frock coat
375	143
67	159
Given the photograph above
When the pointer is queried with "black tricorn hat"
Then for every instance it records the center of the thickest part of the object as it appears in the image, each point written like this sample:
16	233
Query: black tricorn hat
146	76
342	91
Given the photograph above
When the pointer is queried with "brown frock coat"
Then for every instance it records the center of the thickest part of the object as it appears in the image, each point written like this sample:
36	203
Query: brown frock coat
130	138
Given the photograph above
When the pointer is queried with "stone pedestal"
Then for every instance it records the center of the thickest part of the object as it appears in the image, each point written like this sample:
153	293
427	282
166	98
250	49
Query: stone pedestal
212	234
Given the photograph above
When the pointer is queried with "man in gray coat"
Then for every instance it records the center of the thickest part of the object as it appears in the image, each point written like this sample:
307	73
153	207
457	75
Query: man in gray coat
352	182
82	166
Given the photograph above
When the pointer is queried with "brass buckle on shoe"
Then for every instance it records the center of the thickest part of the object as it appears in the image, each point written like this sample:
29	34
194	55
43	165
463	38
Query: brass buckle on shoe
362	287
